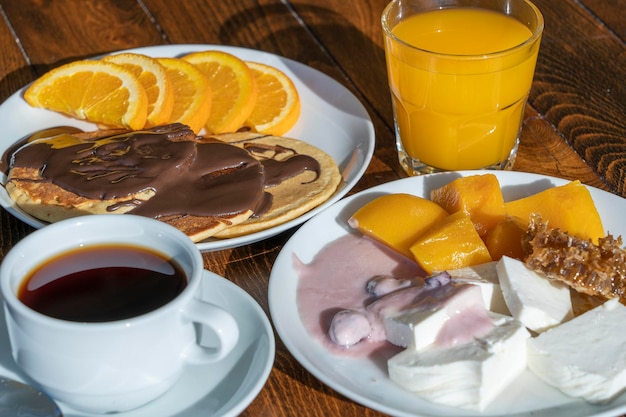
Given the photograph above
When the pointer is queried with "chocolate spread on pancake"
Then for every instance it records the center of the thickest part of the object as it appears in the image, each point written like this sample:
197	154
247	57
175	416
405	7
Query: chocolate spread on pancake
188	177
202	177
278	170
5	163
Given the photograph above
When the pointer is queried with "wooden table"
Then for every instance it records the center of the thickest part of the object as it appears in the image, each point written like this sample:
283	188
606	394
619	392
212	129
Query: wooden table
575	125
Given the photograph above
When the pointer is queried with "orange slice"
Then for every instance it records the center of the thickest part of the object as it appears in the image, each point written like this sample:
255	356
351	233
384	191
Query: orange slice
97	91
192	93
278	103
155	81
233	88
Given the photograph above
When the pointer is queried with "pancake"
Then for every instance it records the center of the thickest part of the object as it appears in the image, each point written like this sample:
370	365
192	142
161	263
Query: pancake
162	173
218	186
201	228
299	187
50	203
46	200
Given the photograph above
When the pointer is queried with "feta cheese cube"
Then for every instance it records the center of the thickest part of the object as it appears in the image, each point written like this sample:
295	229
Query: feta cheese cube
538	302
486	277
444	315
469	375
585	357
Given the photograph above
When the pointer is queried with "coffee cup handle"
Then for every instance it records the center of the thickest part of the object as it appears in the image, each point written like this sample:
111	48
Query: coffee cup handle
221	323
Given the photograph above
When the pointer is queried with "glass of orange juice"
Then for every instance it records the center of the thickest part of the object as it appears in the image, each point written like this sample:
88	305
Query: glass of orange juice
459	74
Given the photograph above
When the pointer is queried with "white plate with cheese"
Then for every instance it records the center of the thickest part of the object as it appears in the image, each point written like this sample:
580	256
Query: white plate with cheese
364	379
332	119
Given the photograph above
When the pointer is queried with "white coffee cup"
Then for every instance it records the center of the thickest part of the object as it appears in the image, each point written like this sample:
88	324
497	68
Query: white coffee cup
118	365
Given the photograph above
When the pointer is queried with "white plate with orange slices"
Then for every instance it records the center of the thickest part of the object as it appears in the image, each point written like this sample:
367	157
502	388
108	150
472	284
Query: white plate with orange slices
364	377
331	118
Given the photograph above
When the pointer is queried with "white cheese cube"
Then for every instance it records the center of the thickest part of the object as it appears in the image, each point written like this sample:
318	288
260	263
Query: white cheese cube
486	277
539	303
585	357
469	375
447	314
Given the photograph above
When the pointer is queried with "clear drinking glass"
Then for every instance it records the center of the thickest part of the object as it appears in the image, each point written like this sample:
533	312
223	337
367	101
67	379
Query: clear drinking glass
459	73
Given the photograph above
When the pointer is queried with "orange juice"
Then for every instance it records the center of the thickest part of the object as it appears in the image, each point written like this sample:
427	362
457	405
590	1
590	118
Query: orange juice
459	79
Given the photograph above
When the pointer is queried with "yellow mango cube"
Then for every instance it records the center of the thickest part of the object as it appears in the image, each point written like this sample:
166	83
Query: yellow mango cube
397	220
478	195
450	244
568	207
505	239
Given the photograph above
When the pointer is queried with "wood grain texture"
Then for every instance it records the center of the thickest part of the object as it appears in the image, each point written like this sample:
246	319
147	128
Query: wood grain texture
574	127
542	150
14	67
579	87
609	13
55	32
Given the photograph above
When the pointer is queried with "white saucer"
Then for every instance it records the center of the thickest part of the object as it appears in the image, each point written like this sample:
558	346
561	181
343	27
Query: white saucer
218	390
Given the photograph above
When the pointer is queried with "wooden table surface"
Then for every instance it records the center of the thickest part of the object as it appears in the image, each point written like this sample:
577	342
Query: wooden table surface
575	124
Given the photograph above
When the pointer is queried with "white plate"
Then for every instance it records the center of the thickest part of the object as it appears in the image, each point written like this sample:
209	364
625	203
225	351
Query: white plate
332	119
221	389
359	378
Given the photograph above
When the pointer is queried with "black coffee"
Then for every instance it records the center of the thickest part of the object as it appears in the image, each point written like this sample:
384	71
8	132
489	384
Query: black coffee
102	283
